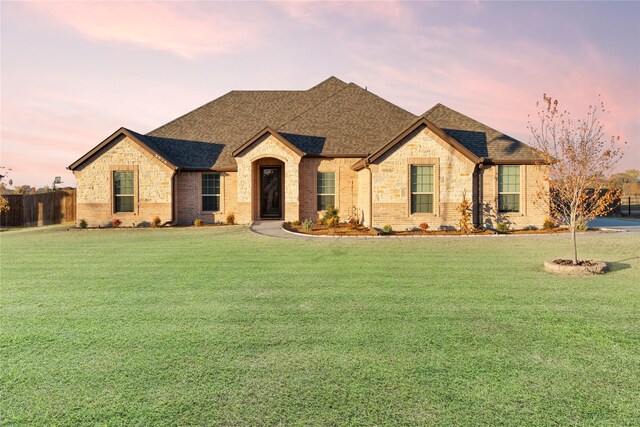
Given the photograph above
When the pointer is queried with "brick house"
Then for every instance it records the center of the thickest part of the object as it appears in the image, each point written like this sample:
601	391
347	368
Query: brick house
289	154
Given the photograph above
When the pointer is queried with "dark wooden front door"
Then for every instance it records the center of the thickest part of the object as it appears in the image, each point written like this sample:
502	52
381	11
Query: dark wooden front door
270	192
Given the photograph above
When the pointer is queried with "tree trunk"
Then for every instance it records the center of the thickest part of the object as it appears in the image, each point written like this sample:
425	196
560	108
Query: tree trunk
575	246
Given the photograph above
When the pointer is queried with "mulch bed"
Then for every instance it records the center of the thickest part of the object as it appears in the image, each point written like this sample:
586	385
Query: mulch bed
581	263
340	230
347	230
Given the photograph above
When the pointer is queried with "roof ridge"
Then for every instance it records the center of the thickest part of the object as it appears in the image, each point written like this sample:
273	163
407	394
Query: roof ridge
430	110
381	98
351	84
322	101
473	120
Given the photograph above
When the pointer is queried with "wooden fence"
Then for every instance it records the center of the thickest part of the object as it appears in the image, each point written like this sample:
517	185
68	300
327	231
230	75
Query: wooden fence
39	209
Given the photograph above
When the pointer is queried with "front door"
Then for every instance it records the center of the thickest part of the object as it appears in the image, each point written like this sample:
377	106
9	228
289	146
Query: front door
270	192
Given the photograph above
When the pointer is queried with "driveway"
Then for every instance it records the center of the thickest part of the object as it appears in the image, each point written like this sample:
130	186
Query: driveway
617	224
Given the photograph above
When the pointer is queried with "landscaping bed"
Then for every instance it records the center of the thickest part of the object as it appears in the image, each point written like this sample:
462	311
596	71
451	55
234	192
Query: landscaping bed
339	230
345	229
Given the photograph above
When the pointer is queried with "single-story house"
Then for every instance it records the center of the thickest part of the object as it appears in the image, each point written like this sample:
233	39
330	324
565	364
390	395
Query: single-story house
288	155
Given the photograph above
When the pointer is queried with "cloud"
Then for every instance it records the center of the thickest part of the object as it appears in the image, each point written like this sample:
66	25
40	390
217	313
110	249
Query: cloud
393	13
178	28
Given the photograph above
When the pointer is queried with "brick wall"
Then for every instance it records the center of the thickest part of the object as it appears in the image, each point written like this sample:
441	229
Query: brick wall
189	197
346	199
152	185
533	210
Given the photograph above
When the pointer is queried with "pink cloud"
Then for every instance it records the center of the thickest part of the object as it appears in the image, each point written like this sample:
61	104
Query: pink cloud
392	12
174	27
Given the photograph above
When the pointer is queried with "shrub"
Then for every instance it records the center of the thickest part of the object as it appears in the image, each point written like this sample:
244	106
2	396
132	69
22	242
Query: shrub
198	222
231	218
155	221
331	212
296	223
582	225
307	224
353	223
333	221
424	226
465	214
82	224
116	223
387	229
502	227
548	224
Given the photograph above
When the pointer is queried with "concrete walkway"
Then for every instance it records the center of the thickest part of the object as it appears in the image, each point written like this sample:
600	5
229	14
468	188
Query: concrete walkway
632	225
273	228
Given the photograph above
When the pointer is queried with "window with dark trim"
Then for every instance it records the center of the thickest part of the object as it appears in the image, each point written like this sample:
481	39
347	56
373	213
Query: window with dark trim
422	192
508	188
123	196
326	190
210	192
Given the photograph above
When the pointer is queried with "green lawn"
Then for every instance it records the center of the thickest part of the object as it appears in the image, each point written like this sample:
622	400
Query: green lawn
222	326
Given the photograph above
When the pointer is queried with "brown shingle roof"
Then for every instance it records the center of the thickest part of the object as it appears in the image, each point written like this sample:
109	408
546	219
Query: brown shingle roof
332	118
480	139
353	121
234	118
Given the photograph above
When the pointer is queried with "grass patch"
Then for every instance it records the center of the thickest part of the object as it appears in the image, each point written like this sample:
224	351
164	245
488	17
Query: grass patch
222	326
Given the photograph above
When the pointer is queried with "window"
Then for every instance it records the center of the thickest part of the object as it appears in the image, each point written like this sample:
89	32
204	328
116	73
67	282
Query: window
421	189
123	191
508	188
326	190
210	192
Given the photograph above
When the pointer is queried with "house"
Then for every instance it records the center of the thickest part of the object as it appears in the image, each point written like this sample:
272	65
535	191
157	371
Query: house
287	155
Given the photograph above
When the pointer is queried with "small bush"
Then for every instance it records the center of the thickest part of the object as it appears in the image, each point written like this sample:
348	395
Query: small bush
333	221
307	225
502	227
353	223
83	224
198	222
548	224
155	221
582	226
331	212
387	229
296	223
116	223
424	226
231	218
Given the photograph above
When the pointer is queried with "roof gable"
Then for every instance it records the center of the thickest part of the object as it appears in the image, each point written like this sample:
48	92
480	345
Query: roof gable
135	137
482	140
259	137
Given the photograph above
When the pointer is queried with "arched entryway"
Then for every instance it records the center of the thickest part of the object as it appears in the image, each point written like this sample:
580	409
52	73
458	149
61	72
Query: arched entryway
268	184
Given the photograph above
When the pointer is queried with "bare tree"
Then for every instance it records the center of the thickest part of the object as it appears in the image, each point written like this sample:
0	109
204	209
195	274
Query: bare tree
578	154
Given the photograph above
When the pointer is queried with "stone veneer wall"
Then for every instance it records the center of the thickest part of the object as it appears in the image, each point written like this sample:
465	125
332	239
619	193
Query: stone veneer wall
346	199
268	146
391	182
152	181
189	197
533	212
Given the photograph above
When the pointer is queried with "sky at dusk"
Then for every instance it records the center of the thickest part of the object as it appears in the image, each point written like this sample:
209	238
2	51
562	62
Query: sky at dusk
73	73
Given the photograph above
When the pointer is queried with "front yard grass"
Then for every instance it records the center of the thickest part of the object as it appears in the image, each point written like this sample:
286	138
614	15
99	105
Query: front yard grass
225	327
